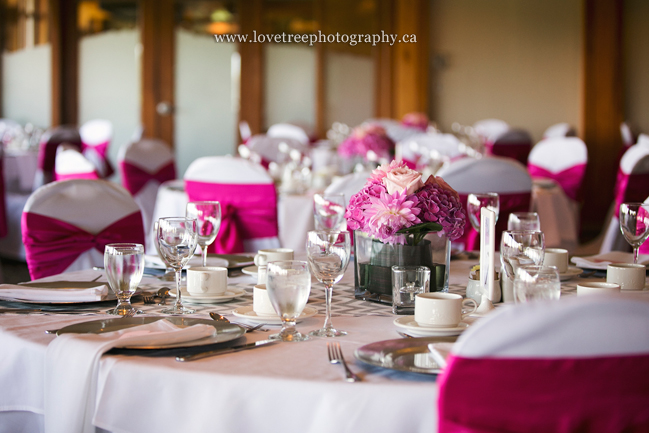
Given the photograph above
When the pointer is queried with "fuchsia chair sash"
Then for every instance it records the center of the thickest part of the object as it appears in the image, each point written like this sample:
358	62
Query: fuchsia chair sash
630	188
101	150
68	176
518	151
597	394
51	245
569	179
248	211
134	178
509	203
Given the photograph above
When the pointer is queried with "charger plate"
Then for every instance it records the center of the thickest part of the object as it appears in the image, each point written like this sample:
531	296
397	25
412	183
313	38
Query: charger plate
404	354
224	331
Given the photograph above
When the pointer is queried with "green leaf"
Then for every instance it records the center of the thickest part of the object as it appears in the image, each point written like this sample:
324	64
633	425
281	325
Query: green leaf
422	228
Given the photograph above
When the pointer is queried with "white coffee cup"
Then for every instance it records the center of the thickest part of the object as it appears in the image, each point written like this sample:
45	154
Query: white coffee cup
628	275
272	255
210	280
557	257
261	304
595	288
440	310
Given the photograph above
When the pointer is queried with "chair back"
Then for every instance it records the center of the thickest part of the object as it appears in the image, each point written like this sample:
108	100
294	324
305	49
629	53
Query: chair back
288	130
628	137
562	159
67	224
513	143
504	176
489	129
95	139
248	201
560	130
395	129
575	365
71	164
420	149
50	141
270	149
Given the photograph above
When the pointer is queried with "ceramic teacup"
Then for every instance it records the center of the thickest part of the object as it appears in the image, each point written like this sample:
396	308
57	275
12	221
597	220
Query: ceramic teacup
261	304
628	275
272	255
209	280
595	288
557	257
440	310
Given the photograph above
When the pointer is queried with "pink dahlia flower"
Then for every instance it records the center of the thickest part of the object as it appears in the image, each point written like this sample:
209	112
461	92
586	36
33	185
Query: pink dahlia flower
390	213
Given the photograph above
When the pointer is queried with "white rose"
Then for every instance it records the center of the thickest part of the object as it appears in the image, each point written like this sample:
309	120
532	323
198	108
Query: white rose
401	179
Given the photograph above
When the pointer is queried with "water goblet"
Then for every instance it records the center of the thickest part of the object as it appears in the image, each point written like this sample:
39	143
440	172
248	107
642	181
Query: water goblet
634	224
328	255
169	274
329	211
521	248
536	283
474	204
208	218
523	221
178	239
124	264
288	286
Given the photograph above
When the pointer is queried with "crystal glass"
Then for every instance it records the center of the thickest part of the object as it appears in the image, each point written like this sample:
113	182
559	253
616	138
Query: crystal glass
208	218
124	264
475	202
524	221
178	239
328	254
536	283
288	286
521	248
169	274
634	224
329	211
407	282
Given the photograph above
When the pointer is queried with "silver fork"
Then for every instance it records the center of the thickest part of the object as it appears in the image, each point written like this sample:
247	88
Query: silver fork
336	357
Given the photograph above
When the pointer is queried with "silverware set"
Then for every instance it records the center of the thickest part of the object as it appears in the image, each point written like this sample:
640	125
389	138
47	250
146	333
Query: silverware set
336	357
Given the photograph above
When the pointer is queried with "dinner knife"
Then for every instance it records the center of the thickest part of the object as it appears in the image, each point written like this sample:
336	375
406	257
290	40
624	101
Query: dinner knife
225	350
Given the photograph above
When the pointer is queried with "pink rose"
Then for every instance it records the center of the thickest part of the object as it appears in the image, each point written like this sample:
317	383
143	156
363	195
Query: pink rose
403	178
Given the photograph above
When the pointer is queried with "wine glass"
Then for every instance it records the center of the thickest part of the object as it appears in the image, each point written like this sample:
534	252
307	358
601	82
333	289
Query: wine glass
169	274
178	239
634	224
208	218
329	211
523	221
536	283
520	248
328	254
474	204
124	264
288	286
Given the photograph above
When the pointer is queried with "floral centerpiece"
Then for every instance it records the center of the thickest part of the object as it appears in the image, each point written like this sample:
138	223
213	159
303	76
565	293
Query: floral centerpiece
391	216
415	120
365	138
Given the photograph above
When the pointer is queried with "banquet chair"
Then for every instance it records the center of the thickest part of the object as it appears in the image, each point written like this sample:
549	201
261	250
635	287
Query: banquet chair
632	185
95	139
504	176
489	129
271	149
560	130
562	159
395	129
143	166
50	141
288	130
628	137
513	143
578	365
420	149
71	164
66	225
248	202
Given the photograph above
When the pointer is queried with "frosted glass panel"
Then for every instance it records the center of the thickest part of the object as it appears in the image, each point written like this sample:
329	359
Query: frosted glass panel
109	83
350	88
26	85
290	84
205	118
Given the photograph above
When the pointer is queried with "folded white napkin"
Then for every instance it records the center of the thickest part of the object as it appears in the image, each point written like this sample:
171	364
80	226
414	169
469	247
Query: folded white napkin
439	352
43	294
601	261
72	364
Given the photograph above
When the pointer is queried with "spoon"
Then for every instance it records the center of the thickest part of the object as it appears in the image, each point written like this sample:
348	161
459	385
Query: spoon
217	317
163	293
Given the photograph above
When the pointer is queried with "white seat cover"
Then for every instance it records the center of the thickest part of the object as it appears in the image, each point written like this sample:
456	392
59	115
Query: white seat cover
96	132
70	161
490	129
559	153
492	174
447	145
268	147
559	130
288	130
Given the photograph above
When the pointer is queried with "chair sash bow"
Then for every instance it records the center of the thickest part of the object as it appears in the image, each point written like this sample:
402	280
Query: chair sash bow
569	179
134	178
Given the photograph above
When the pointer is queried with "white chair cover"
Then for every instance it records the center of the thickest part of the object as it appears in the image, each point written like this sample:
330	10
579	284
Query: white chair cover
628	137
70	163
559	130
491	174
447	146
490	129
349	184
395	130
268	147
288	130
559	153
96	136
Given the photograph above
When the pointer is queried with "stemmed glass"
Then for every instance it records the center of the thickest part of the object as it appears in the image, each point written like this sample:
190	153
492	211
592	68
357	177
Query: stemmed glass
474	204
521	248
328	211
536	283
634	224
523	221
288	286
124	264
208	218
328	254
169	274
178	238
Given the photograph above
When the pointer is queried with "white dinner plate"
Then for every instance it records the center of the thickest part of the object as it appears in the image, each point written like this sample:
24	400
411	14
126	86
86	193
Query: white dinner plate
250	270
249	314
572	272
231	293
413	328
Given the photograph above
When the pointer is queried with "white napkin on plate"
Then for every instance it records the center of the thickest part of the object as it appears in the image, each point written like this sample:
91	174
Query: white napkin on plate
601	261
72	363
43	294
439	352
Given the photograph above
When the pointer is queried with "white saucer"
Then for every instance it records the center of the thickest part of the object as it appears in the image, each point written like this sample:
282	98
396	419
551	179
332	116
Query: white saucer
572	272
230	294
250	270
249	313
408	323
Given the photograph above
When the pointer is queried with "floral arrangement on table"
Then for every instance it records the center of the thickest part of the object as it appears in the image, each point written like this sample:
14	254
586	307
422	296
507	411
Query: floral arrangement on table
365	138
415	120
395	206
